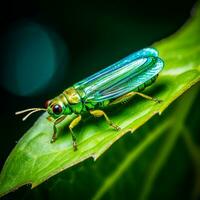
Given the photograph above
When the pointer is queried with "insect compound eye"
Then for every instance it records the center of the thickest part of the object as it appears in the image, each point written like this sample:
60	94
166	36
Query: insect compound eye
46	104
57	109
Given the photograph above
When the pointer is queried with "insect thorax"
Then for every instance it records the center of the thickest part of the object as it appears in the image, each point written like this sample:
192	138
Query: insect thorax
74	100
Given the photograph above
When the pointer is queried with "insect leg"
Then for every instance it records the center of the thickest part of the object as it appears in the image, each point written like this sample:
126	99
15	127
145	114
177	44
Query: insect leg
129	95
71	126
53	139
100	113
123	98
50	119
147	97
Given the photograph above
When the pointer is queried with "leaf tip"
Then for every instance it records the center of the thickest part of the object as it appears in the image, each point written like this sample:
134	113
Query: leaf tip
33	185
94	156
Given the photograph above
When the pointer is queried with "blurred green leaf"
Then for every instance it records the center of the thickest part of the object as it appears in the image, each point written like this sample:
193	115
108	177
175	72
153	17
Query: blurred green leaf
34	159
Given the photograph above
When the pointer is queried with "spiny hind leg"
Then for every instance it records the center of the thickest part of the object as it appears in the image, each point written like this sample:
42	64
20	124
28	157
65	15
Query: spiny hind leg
100	113
73	124
129	95
123	99
148	97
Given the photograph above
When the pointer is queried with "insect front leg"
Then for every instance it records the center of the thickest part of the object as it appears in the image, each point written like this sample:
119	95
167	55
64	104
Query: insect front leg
54	136
74	123
100	113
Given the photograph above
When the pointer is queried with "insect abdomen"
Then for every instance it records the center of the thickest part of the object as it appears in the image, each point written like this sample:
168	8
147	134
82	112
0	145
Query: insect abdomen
146	84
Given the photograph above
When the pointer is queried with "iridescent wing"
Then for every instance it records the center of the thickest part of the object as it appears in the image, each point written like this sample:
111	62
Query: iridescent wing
122	77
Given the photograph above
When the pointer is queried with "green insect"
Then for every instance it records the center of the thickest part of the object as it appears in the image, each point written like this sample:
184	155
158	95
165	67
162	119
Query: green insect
112	85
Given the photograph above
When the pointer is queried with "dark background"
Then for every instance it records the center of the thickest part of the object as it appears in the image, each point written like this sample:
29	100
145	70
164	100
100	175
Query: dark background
85	37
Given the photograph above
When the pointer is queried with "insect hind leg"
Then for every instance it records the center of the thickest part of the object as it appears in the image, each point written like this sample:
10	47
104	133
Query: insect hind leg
128	96
147	97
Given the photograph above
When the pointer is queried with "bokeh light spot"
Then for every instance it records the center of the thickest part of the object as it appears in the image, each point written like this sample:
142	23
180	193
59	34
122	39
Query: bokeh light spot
30	58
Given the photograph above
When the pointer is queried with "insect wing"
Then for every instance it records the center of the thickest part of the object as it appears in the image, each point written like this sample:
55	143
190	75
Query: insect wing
130	82
121	77
87	82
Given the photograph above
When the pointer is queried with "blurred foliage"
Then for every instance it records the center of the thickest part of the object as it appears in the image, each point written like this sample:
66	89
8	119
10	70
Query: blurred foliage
153	162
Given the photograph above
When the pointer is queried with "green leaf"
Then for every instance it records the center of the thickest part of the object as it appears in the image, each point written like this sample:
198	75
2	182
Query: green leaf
167	132
35	159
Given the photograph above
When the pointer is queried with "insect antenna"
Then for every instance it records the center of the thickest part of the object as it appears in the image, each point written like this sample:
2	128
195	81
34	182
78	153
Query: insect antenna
32	110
